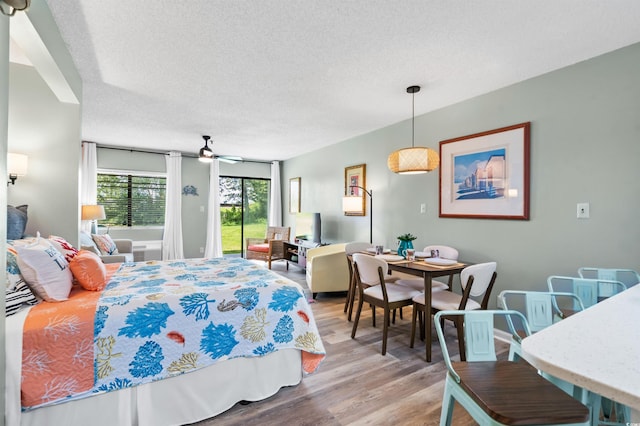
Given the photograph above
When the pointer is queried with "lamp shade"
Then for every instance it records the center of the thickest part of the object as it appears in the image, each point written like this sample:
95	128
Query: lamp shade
17	164
93	212
413	160
351	204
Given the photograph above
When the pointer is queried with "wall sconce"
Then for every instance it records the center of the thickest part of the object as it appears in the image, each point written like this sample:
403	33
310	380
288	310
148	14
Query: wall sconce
351	203
16	166
94	213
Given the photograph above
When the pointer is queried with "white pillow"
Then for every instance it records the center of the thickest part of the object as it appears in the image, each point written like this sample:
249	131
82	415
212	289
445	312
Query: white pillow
45	270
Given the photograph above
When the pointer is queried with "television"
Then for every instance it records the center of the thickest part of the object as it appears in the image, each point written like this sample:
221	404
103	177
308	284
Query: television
308	227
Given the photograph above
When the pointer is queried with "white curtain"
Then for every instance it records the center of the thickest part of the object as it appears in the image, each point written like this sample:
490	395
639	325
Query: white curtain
172	239
88	179
275	198
214	232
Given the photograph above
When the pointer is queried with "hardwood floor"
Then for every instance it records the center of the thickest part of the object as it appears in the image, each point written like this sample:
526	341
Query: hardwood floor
355	385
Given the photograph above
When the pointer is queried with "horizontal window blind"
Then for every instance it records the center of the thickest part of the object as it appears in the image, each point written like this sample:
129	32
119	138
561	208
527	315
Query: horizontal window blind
131	200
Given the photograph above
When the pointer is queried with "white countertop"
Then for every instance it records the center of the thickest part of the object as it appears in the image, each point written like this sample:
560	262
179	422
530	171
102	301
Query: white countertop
597	349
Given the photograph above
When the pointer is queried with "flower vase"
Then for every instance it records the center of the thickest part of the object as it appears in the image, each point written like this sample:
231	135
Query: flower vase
402	246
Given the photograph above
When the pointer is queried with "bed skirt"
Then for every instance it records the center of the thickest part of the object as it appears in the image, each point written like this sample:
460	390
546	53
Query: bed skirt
178	400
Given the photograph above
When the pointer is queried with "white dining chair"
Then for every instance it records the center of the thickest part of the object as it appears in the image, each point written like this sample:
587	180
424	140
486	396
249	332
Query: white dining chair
477	282
370	275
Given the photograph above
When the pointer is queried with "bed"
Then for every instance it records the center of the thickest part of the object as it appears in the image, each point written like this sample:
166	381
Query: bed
171	342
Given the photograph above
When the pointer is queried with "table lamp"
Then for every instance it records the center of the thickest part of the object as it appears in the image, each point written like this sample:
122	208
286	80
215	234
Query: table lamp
94	213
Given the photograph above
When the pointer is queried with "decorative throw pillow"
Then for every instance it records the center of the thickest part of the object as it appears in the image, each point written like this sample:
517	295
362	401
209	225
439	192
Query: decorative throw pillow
13	270
16	221
89	270
105	244
18	298
45	270
63	246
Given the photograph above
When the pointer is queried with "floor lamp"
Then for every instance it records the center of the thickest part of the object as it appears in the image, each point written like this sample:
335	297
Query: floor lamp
351	203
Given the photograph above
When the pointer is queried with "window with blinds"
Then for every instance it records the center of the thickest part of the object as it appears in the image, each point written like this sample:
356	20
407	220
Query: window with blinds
131	200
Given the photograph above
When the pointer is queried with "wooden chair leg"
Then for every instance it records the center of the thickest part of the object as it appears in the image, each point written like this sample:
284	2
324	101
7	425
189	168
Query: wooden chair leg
373	314
414	318
352	300
459	322
348	299
356	319
385	330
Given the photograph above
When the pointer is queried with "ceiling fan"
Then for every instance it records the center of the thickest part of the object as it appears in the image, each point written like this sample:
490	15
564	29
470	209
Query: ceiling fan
206	154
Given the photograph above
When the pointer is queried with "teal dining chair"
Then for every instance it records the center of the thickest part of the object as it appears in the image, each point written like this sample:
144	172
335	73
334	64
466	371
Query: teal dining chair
628	277
500	392
540	308
589	290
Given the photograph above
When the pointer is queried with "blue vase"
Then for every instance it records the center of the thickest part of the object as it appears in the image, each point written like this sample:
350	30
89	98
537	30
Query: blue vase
402	246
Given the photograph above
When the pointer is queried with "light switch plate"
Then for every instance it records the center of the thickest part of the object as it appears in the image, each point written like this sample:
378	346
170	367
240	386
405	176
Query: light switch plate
583	211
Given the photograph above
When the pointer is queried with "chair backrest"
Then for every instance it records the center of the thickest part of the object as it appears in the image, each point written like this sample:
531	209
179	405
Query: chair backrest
539	307
479	339
446	252
628	277
589	290
278	233
355	247
483	277
368	268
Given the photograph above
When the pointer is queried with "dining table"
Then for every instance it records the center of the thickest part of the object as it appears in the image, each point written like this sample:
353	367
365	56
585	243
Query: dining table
428	271
597	349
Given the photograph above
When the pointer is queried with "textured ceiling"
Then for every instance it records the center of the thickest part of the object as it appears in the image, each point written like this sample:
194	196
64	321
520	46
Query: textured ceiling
270	80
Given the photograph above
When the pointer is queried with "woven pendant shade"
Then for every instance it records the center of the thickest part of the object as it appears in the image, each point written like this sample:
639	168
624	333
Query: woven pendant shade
411	161
417	159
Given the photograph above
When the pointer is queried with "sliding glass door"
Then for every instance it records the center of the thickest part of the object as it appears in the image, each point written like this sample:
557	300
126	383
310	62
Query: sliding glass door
244	207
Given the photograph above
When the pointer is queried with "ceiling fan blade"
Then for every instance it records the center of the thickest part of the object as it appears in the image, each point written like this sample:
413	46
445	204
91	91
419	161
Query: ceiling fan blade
231	159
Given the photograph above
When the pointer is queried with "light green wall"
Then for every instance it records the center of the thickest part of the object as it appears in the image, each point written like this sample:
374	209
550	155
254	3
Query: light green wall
4	114
194	208
48	132
585	128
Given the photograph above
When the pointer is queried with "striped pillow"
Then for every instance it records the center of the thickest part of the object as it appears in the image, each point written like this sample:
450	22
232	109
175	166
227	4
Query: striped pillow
18	298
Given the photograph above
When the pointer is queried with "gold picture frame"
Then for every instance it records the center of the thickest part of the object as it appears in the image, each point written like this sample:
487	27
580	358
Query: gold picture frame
294	195
355	183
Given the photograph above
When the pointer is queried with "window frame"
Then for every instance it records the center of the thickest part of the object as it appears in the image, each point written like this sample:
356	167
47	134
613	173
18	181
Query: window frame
136	173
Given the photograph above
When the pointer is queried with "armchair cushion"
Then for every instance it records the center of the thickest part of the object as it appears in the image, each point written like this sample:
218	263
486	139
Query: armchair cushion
264	247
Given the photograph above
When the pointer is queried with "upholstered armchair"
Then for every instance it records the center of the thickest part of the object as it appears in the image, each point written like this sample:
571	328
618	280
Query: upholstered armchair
269	248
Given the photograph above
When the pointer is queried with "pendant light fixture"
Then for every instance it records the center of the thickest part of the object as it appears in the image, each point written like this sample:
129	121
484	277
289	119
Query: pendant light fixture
414	160
206	154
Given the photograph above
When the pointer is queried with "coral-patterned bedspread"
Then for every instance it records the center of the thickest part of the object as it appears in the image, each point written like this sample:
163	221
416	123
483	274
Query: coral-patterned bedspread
159	319
57	347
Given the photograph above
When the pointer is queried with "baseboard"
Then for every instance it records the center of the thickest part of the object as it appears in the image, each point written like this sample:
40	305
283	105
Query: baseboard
502	335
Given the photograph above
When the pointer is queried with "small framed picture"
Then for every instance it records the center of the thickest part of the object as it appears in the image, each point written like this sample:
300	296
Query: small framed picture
355	182
294	195
486	175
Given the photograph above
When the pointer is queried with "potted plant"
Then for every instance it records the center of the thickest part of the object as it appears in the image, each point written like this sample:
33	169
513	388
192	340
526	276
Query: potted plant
405	242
